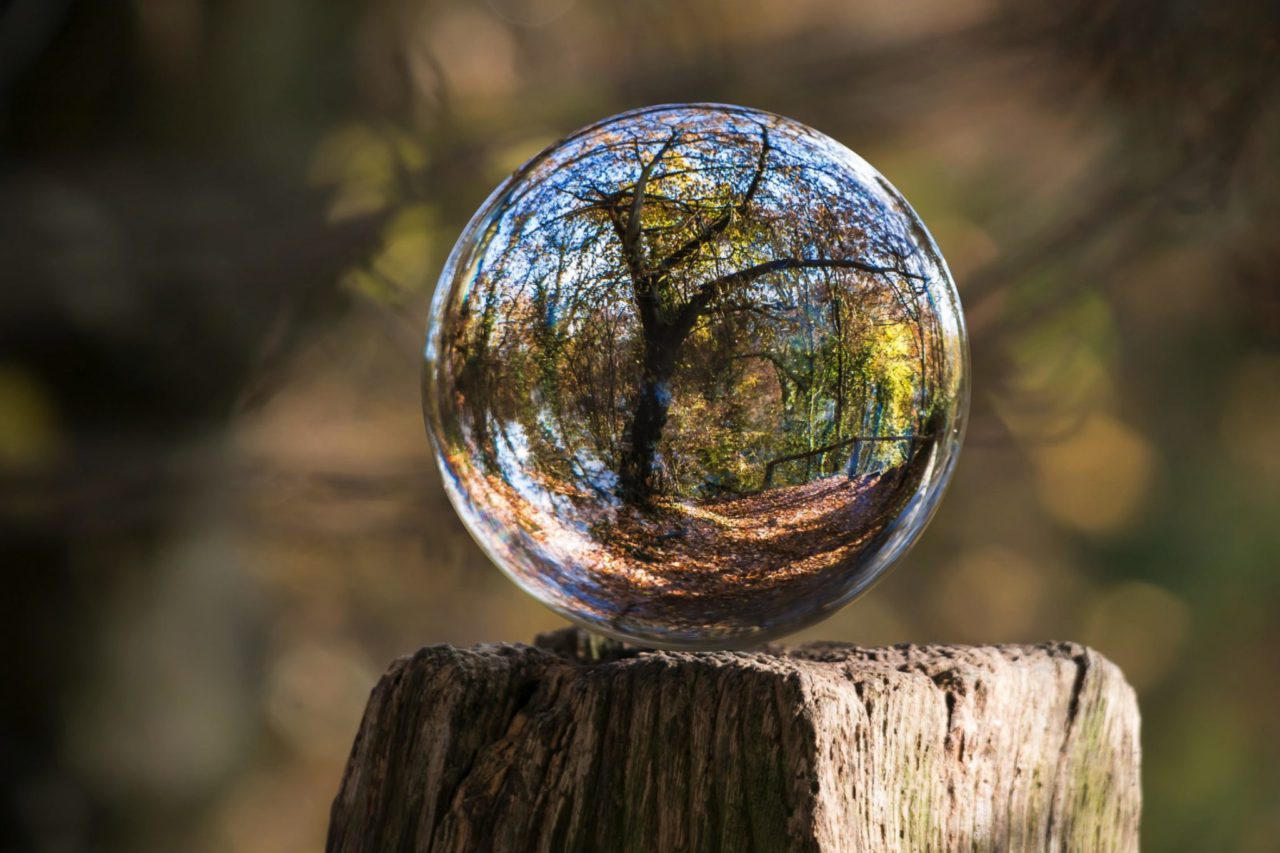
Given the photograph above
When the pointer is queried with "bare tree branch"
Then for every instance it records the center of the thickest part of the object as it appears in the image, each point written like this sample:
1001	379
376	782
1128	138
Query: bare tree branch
711	289
632	233
713	229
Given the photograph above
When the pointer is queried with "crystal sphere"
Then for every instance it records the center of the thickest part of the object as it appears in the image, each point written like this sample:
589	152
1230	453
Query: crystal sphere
695	376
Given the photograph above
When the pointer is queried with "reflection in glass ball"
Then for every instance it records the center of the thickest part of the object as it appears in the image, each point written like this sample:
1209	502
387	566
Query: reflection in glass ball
696	375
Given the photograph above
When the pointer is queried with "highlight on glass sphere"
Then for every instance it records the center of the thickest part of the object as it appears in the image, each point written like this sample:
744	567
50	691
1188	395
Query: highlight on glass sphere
696	376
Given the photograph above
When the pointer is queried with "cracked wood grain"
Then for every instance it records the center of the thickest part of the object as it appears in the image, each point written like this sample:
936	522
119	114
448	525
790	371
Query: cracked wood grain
581	744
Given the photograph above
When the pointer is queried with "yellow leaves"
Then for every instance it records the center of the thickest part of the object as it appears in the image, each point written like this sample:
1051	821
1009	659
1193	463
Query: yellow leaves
893	342
1095	480
697	432
894	358
896	368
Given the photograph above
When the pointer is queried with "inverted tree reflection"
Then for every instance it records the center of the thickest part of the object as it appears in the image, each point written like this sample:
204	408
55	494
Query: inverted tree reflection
688	307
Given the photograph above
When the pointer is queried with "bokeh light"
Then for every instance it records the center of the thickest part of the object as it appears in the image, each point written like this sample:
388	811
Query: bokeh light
220	229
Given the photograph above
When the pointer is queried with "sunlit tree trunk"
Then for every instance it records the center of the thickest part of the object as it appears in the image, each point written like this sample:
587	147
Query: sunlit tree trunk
638	471
840	347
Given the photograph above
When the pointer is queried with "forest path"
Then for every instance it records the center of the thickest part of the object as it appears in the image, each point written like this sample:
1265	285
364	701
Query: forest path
744	558
759	534
697	566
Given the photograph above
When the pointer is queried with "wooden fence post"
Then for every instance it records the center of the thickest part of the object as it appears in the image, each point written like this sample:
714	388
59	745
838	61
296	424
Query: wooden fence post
582	744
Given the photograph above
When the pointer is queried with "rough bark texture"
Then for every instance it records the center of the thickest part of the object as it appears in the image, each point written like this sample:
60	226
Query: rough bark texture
583	744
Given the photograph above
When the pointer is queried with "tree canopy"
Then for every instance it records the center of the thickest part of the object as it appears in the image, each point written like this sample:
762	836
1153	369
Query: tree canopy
681	301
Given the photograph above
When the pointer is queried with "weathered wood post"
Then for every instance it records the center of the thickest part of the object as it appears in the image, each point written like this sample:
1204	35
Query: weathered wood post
582	744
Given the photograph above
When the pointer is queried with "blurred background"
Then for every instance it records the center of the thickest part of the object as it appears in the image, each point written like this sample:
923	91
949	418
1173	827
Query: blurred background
220	225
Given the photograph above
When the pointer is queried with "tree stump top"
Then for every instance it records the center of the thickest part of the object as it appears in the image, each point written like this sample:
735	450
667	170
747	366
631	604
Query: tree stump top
579	743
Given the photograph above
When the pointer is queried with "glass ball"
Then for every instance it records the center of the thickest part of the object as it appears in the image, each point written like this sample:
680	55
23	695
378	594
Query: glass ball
696	376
